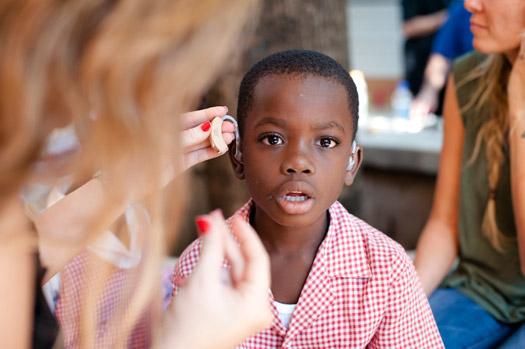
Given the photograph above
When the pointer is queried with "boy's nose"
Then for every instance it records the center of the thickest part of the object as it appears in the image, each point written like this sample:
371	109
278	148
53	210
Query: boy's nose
298	162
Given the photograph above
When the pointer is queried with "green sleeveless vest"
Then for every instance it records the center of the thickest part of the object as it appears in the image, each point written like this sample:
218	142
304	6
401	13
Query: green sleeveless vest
490	278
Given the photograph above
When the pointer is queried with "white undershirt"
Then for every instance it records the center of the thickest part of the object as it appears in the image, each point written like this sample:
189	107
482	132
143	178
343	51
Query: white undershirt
285	312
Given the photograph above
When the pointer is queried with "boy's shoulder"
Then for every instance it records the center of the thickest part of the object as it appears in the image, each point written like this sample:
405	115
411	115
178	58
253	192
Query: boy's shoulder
352	246
188	259
364	244
190	256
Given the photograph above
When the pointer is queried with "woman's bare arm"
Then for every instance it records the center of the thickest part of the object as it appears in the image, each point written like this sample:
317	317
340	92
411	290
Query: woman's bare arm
437	245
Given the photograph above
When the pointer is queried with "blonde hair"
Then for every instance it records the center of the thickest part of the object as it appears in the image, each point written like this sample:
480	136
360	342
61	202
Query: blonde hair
121	71
491	94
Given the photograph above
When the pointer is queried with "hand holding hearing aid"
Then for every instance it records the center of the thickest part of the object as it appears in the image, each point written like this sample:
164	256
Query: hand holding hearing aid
197	128
217	138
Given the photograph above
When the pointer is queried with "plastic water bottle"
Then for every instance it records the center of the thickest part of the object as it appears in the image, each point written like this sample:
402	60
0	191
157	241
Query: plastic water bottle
402	99
362	93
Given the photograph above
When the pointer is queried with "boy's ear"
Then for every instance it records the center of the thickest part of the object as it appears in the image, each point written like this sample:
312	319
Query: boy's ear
352	172
236	159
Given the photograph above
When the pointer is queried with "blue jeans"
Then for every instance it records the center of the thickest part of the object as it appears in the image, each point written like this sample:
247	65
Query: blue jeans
516	340
462	323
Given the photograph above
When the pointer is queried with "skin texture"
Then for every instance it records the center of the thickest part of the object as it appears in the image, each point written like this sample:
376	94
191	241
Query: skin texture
298	139
436	73
424	25
437	246
206	305
497	25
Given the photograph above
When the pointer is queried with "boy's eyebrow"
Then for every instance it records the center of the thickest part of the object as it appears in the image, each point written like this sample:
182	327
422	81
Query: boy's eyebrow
282	122
273	121
329	125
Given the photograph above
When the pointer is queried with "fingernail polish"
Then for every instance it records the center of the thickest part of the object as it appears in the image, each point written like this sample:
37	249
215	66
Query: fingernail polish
206	126
203	225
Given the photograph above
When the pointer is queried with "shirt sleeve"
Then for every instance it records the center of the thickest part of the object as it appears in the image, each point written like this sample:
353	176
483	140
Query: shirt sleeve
410	9
454	38
185	265
408	320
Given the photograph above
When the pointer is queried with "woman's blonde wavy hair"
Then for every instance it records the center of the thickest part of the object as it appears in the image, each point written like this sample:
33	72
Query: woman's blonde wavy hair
491	93
121	71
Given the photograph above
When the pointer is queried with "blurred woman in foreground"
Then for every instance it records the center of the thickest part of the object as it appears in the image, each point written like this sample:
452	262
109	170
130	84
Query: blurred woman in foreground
121	71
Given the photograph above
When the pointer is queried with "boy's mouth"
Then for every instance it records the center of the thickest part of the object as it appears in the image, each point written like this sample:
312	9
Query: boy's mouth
295	202
295	196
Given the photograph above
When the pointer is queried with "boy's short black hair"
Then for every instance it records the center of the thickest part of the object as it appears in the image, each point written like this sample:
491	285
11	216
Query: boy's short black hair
295	62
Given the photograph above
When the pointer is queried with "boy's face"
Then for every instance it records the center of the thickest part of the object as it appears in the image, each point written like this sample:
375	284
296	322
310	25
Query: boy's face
296	147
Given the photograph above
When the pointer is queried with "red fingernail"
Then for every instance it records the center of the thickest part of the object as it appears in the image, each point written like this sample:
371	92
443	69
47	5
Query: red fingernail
206	126
203	225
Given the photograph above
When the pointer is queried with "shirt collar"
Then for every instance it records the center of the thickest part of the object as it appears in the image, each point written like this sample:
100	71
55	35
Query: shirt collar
345	245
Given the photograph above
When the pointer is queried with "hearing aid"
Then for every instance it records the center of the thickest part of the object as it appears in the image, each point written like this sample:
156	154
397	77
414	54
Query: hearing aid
217	141
351	161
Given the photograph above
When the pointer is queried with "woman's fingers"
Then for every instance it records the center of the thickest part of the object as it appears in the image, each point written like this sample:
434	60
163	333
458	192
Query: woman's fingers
203	152
198	117
257	262
213	234
228	127
255	283
208	307
197	137
249	258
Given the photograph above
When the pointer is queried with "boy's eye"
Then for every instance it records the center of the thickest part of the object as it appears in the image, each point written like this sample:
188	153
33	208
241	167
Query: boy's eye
272	140
327	142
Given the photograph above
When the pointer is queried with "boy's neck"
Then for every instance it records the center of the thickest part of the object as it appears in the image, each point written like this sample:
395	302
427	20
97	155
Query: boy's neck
288	240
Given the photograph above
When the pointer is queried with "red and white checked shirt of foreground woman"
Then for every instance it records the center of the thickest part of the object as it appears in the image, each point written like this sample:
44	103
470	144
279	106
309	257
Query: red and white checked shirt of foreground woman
362	291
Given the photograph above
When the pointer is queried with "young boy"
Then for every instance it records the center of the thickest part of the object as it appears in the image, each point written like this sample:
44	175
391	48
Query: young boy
336	281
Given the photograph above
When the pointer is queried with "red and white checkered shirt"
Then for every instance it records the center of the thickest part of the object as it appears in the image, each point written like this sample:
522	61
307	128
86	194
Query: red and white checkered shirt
362	291
119	286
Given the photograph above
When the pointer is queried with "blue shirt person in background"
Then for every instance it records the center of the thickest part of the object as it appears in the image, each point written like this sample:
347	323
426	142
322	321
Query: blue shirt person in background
421	20
451	41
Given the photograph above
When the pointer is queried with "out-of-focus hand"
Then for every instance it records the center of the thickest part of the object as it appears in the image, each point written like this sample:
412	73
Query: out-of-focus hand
196	147
426	102
516	86
209	312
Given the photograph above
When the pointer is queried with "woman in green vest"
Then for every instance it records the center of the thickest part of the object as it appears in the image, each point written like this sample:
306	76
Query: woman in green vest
478	215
